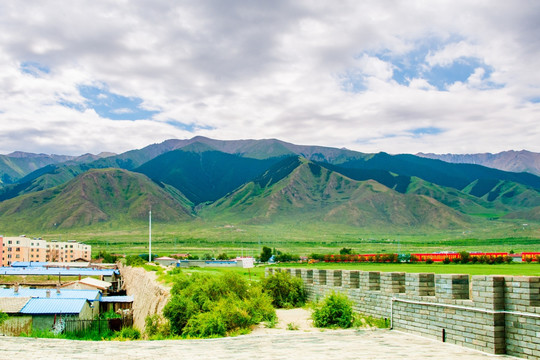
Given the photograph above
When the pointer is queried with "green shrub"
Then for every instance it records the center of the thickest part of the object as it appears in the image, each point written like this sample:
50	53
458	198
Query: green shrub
446	260
179	310
110	315
3	317
205	305
134	260
129	333
334	311
207	324
429	261
465	257
286	291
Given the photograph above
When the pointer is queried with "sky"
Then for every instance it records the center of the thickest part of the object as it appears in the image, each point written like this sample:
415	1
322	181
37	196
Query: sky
395	76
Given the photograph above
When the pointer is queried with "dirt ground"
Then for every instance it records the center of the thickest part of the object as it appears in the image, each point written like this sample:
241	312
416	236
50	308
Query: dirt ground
288	320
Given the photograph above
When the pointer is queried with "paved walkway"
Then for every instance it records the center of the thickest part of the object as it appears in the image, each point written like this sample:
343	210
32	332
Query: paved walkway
297	345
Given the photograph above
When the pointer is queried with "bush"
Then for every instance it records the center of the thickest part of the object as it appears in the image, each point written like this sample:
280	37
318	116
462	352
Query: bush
205	305
465	257
134	260
286	291
335	311
345	251
456	260
129	333
429	261
266	254
207	324
446	260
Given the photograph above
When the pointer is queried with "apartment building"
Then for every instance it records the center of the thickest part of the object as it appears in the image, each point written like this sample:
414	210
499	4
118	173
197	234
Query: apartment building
68	251
26	249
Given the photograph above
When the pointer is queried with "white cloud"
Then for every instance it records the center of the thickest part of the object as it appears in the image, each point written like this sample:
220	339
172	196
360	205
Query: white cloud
267	70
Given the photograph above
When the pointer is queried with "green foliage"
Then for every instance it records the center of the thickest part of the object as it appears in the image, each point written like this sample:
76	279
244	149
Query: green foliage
286	291
156	327
128	333
334	311
205	305
362	320
292	326
266	254
107	258
3	317
465	257
286	257
445	261
134	260
110	315
429	261
223	256
345	251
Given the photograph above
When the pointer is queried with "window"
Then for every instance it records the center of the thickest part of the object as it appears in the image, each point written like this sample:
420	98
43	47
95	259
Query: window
17	256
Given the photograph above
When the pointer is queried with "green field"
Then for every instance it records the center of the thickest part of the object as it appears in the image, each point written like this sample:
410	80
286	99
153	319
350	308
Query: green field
200	237
524	269
515	269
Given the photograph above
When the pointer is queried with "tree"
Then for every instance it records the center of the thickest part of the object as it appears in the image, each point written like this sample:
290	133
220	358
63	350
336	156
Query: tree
266	254
345	251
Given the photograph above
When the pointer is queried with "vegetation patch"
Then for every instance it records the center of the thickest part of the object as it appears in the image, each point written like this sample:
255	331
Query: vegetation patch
204	305
286	291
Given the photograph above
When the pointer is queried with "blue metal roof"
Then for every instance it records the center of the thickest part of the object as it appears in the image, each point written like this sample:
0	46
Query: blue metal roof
53	306
28	264
117	299
90	295
56	271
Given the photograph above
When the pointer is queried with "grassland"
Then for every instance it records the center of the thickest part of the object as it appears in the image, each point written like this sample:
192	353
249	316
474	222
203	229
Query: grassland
200	237
521	269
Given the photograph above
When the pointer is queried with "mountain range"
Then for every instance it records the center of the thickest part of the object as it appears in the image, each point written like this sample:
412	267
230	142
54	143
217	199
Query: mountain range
516	161
254	182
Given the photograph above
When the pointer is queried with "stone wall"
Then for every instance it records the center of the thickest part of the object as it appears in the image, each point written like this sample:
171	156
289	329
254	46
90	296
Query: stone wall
495	314
149	296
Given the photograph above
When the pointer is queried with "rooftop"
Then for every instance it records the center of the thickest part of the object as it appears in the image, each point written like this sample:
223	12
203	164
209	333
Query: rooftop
53	306
42	293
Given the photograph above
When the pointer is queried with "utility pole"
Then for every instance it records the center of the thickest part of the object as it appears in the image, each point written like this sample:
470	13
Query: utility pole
150	235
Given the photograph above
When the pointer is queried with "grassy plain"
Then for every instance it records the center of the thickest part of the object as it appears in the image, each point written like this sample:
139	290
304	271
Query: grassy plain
200	237
522	269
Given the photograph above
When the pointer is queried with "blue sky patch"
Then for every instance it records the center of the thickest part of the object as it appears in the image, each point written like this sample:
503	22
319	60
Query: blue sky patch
33	68
352	81
413	65
419	132
192	127
113	106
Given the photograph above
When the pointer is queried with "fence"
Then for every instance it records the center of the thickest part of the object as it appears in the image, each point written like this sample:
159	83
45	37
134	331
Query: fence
97	325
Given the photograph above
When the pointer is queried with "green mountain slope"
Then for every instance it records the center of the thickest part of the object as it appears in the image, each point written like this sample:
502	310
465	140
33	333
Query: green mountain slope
97	196
305	191
203	175
17	165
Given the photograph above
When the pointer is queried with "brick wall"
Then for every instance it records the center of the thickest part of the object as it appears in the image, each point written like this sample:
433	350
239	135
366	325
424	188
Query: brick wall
495	314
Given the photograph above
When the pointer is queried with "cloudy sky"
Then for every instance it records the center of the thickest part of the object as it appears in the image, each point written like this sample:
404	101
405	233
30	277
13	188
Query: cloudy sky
394	76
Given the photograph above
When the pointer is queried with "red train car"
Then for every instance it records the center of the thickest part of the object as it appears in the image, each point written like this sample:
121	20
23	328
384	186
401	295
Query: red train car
533	256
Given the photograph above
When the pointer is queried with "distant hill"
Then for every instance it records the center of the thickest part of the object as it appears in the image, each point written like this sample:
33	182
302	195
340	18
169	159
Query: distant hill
16	165
515	161
202	174
264	181
97	196
302	190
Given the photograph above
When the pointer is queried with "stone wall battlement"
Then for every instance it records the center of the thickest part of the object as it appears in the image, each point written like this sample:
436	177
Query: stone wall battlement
495	314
